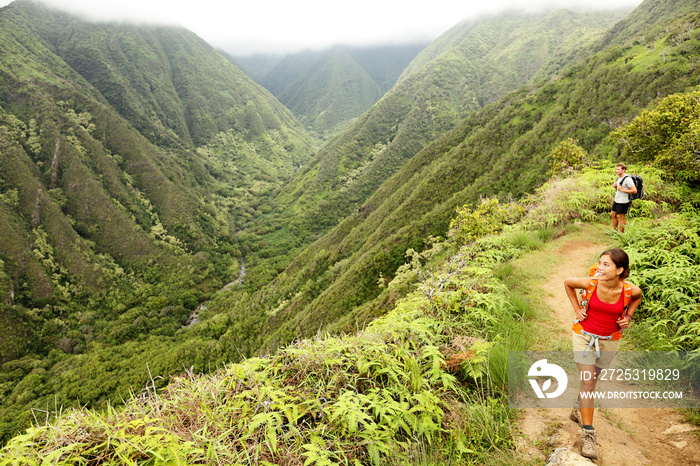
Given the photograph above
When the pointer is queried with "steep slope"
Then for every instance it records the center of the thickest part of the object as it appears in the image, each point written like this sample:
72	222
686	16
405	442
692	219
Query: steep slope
256	66
482	60
350	167
287	70
331	91
385	63
166	78
161	81
329	88
501	150
555	37
129	158
433	378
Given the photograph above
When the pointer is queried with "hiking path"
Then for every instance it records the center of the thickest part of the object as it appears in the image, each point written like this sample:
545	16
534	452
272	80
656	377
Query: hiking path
626	436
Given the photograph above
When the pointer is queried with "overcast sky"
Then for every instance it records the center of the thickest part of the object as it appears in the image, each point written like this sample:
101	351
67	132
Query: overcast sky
243	27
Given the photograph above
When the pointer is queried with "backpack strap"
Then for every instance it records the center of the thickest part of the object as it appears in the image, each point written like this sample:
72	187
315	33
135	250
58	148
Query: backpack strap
592	283
622	183
627	298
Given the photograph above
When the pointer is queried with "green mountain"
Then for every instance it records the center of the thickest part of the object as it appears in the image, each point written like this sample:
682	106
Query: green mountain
333	90
129	159
353	165
556	40
431	381
330	88
139	116
140	171
285	71
257	66
386	63
501	150
479	62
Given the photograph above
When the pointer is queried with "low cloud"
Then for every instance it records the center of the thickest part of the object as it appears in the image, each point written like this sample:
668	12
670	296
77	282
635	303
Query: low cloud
268	26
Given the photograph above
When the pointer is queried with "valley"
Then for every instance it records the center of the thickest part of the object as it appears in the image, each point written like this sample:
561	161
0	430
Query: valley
173	225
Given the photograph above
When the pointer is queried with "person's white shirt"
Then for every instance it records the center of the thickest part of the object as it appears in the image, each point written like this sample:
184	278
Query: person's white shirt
622	197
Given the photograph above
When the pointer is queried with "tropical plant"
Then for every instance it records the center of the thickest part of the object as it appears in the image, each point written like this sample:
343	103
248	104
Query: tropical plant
668	136
567	157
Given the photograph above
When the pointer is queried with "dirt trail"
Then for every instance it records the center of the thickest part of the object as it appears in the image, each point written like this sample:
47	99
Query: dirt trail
626	436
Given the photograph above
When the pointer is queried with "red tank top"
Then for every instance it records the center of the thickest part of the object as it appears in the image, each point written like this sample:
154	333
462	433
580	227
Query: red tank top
602	317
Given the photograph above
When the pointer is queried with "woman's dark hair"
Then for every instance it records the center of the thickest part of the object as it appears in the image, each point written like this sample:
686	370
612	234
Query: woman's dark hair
620	259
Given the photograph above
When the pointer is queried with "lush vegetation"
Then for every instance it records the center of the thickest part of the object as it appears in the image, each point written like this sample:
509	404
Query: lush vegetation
328	89
334	90
424	384
667	136
489	58
503	150
129	159
340	188
129	198
394	390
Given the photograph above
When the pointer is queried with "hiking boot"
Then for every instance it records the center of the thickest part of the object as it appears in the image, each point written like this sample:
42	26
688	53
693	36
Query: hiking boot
576	414
588	437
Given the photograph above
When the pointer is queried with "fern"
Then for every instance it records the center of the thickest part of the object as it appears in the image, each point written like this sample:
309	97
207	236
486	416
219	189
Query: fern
667	268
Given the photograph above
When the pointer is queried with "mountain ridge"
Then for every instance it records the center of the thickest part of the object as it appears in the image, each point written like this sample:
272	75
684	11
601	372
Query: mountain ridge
500	150
469	308
327	89
124	178
349	91
418	112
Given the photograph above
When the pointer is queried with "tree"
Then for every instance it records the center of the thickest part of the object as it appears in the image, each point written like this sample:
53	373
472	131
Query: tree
667	136
488	218
567	157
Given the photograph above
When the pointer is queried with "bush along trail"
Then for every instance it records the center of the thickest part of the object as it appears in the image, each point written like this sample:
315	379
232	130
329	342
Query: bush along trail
659	436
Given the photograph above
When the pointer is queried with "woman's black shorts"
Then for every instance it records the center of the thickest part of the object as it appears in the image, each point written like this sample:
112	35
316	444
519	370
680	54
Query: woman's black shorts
620	208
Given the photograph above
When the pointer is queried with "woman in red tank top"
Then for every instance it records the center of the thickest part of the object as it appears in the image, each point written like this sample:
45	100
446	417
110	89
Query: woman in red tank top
604	316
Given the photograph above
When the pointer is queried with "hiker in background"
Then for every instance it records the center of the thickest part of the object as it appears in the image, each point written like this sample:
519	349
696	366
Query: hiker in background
606	310
624	186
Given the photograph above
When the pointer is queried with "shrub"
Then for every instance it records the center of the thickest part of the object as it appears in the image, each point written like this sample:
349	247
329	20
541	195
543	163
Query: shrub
488	218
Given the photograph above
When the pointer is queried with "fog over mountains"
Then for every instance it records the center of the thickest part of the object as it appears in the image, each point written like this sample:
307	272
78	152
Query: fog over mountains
281	27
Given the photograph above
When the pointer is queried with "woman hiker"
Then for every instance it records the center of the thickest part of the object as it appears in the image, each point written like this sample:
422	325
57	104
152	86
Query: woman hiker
607	310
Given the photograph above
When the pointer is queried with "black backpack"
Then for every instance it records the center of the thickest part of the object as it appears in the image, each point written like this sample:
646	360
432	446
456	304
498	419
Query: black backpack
639	184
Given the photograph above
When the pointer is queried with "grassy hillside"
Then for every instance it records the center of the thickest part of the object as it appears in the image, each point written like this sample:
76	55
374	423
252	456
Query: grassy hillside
352	166
491	57
113	232
129	159
327	89
425	384
333	90
501	150
386	63
556	37
286	70
256	66
159	160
